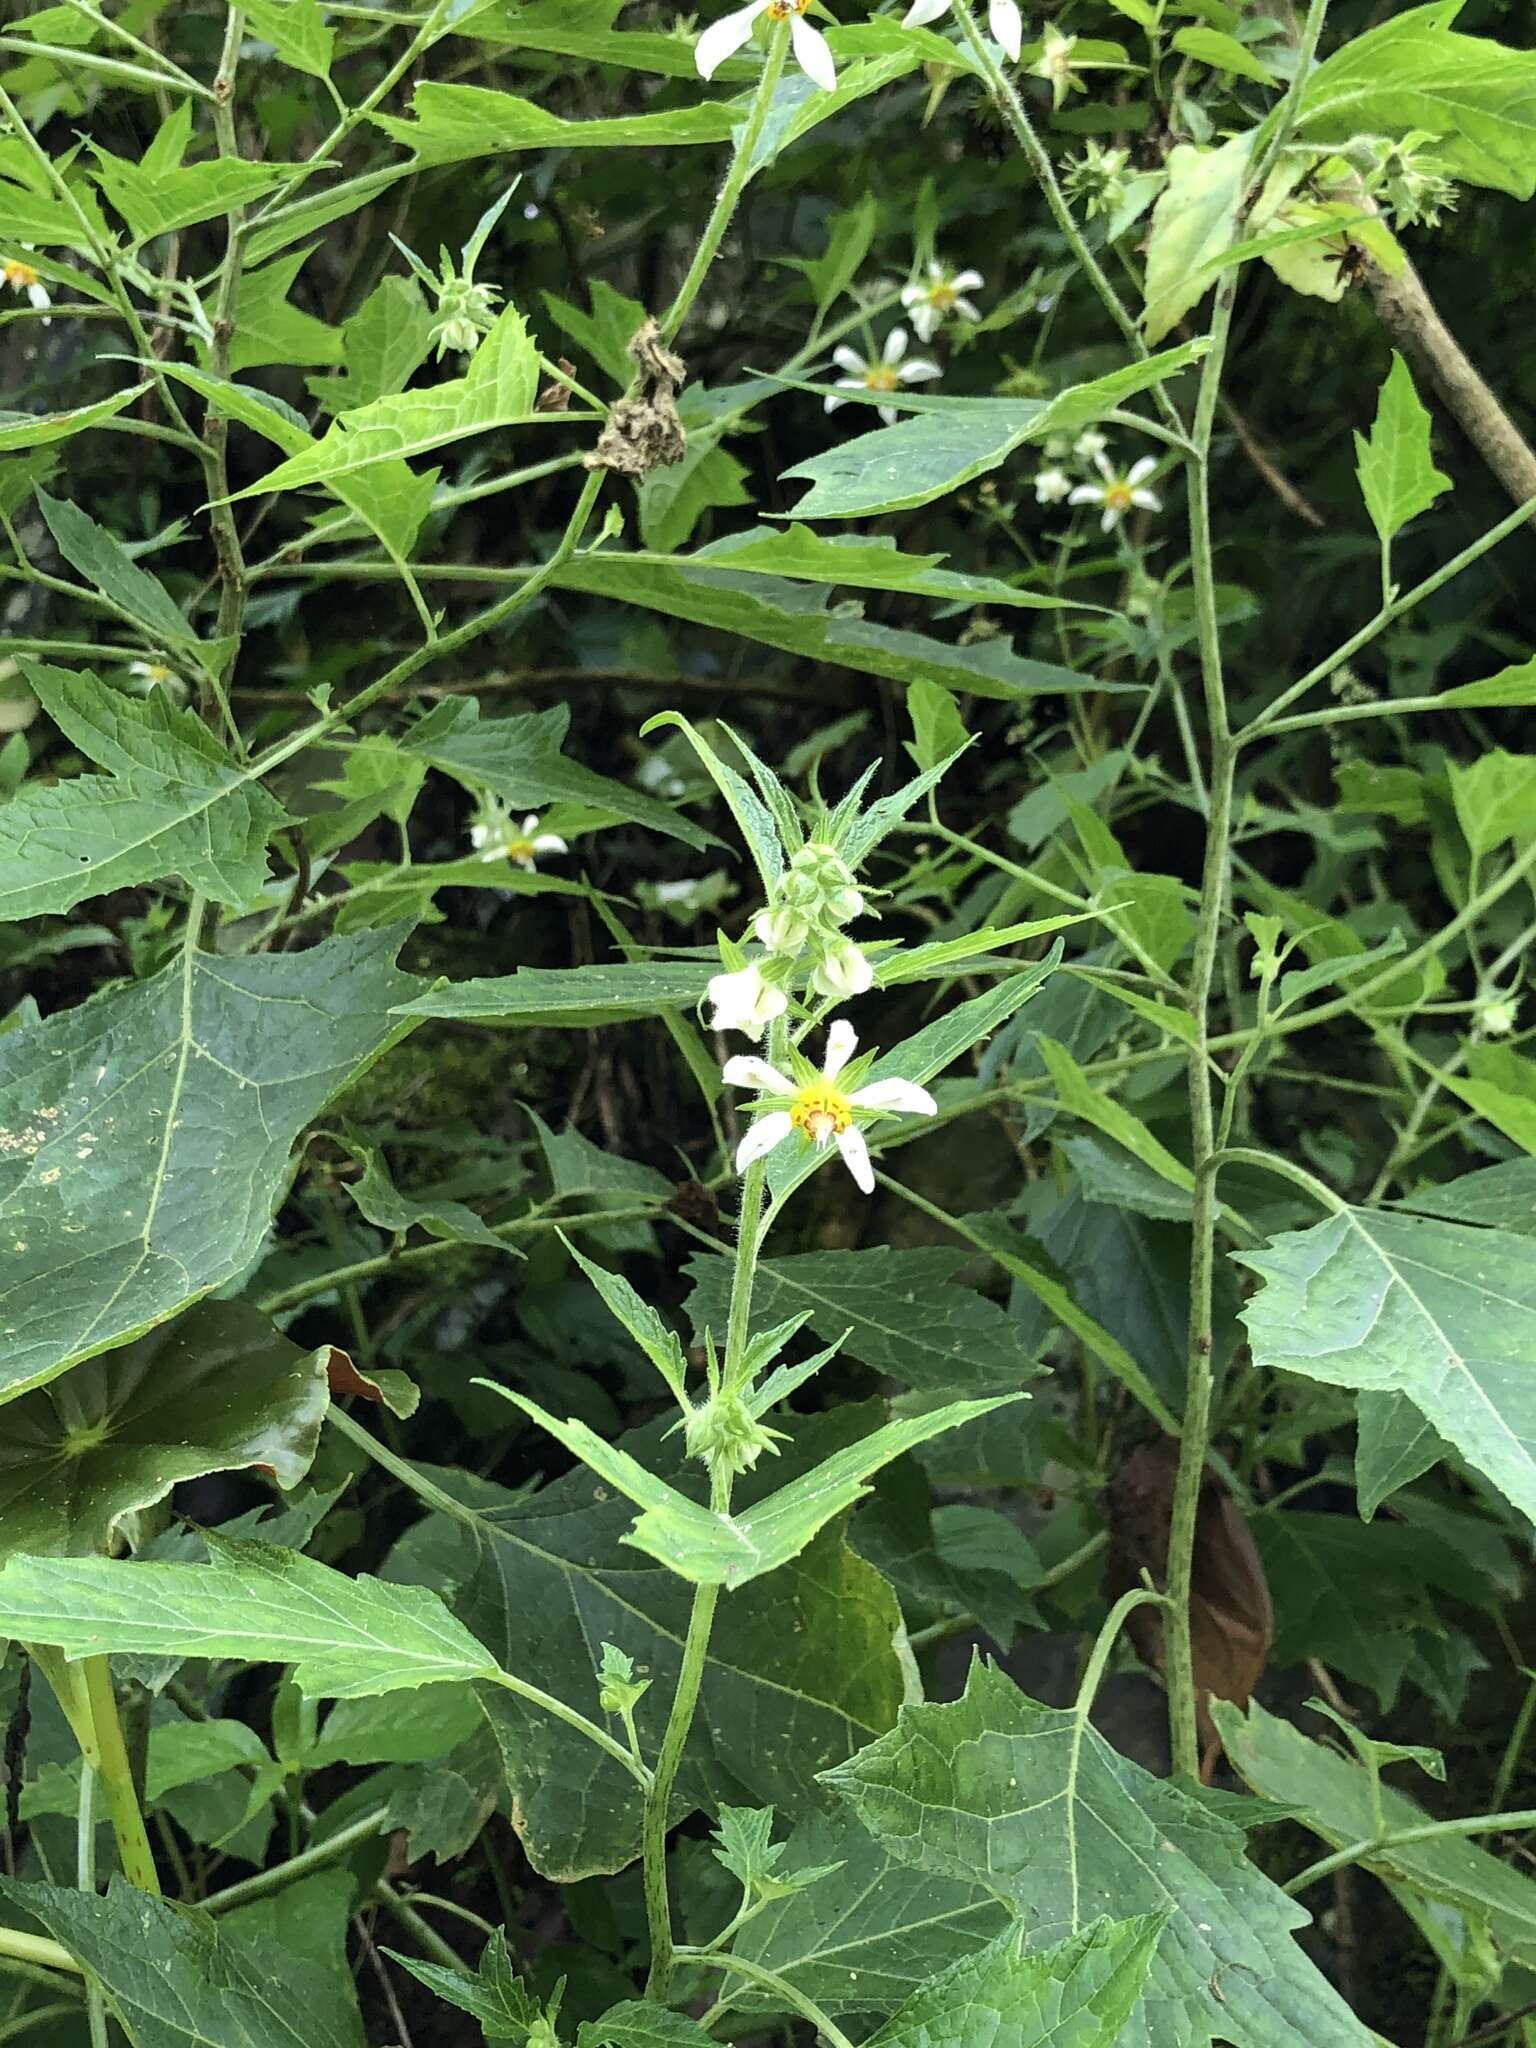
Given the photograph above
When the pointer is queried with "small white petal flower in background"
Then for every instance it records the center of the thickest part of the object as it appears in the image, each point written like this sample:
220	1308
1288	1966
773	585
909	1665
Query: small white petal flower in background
886	372
157	675
1051	486
1054	64
743	1001
21	277
930	302
842	972
725	37
494	837
1117	494
1003	18
1090	445
821	1111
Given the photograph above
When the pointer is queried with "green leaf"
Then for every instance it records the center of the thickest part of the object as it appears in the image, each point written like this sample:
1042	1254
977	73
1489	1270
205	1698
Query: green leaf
949	441
382	346
160	194
1193	222
1062	1825
573	998
1392	1304
638	2024
554	1576
701	589
121	1116
1333	1794
456	123
1356	1596
495	1996
107	566
382	1203
847	244
903	1311
1513	685
661	1345
674	498
37	429
862	563
497	390
173	804
1224	52
606	332
1503	1197
1398	478
1077	1094
269	330
1415	73
713	1549
938	730
178	1979
519	759
1078	1994
344	1637
296	30
216	1391
1495	798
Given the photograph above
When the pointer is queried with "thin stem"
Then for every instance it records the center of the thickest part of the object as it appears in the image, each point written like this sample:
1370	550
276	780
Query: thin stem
37	1951
573	1718
265	1882
1403	1838
116	1776
85	1881
1104	1644
23	2023
756	1973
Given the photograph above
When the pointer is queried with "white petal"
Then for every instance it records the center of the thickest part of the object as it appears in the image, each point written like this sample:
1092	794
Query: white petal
812	53
841	1040
1007	27
1141	469
925	319
1110	520
1103	465
849	359
550	842
38	294
526	860
913	294
888	413
921	12
903	1095
1149	501
477	833
895	345
918	371
1085	494
967	280
530	824
767	1132
967	309
746	1070
724	38
830	404
850	1143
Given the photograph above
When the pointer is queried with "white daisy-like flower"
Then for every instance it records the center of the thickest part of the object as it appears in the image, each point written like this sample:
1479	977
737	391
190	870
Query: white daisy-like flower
1090	445
745	1002
887	371
1003	18
157	675
494	838
21	277
725	37
1051	486
819	1110
1117	493
929	304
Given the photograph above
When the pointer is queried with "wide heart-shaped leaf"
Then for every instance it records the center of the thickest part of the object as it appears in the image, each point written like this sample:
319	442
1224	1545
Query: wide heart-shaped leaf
1065	1829
214	1391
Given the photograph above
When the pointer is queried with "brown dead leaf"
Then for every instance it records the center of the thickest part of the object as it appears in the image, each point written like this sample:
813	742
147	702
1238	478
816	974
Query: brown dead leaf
644	431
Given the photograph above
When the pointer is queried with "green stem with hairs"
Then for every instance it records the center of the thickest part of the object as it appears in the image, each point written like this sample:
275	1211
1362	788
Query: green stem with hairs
758	1973
83	1688
1405	1838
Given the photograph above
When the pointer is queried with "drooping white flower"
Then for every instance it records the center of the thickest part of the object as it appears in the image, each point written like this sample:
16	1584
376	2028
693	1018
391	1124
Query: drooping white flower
819	1110
887	371
1090	445
1117	493
930	302
494	837
725	37
781	930
21	277
842	972
745	1002
1051	486
1003	18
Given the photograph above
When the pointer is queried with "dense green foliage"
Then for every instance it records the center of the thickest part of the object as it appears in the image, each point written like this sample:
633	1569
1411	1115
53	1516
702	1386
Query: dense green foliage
767	1160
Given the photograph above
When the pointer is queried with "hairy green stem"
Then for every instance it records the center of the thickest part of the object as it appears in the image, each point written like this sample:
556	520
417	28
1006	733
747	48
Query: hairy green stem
85	1881
757	1973
265	1882
36	1952
83	1688
1404	1838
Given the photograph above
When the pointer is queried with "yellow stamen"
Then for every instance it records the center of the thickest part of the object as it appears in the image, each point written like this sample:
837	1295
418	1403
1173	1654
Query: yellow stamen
881	377
519	849
942	296
1117	497
821	1112
19	276
781	10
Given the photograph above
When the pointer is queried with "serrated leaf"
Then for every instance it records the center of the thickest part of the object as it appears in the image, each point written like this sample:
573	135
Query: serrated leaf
344	1637
382	346
1224	52
178	1979
519	759
37	429
1392	1304
1077	1094
495	1995
903	1312
107	566
1066	1828
949	441
573	998
1398	478
159	194
1503	1197
296	29
382	1203
454	123
638	2024
606	332
173	804
1193	222
269	329
216	1391
118	1119
863	563
1494	798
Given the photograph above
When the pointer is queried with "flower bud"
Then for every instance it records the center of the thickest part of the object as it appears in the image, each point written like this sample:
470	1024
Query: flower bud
726	1435
844	904
842	971
1498	1015
745	1002
780	929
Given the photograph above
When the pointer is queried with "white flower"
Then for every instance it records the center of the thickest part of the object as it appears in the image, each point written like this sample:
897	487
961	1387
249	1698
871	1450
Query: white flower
157	675
745	1002
1003	19
1117	494
725	37
1498	1014
1051	486
1090	445
21	277
842	971
886	372
493	838
820	1110
781	931
929	304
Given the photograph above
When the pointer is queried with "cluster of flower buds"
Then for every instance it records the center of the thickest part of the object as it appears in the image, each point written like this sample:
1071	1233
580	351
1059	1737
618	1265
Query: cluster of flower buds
809	905
1404	173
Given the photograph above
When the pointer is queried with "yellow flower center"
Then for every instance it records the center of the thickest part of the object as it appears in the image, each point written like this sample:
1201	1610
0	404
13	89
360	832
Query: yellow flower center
781	10
821	1112
1117	496
942	296
155	672
519	849
19	276
881	377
